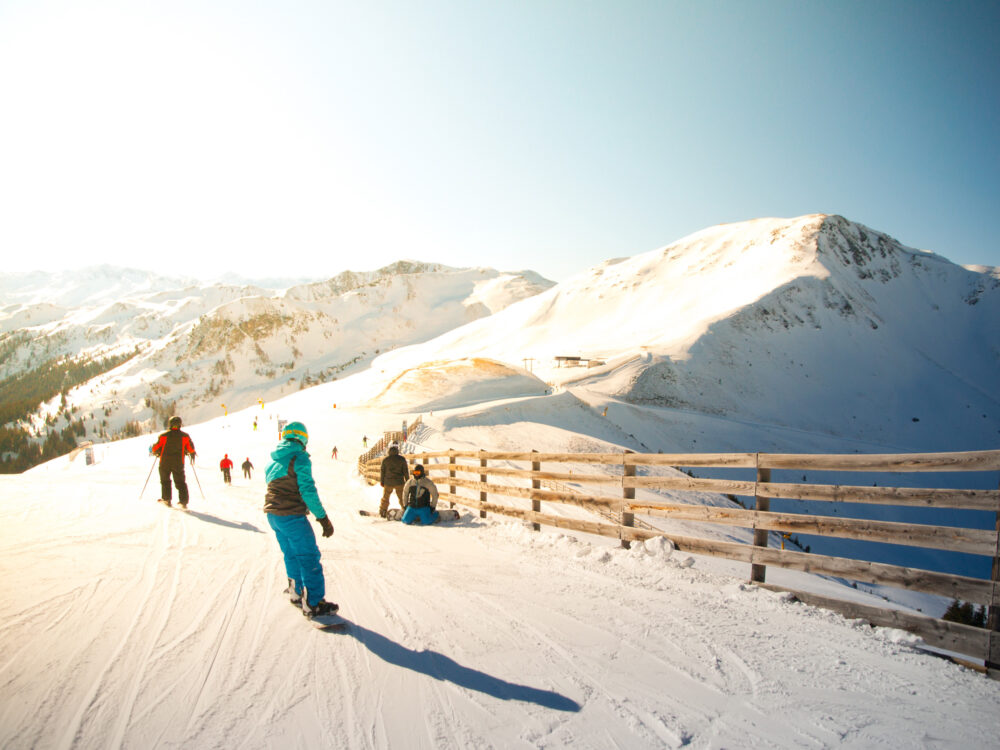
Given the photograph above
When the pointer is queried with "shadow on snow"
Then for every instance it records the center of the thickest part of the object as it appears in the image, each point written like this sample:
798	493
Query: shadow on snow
222	522
441	667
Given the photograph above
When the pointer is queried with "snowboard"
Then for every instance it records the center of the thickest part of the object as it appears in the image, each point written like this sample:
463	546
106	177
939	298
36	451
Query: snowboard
395	514
327	622
320	622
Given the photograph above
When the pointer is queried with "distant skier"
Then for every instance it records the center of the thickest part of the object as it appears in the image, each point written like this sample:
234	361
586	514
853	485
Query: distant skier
393	475
333	453
227	466
247	466
255	424
420	497
171	447
364	441
291	495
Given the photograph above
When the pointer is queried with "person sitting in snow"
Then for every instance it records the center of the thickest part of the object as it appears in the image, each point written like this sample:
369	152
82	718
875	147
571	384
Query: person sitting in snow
420	497
291	495
171	447
226	465
247	466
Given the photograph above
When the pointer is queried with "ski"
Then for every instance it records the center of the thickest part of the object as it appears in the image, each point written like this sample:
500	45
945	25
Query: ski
182	508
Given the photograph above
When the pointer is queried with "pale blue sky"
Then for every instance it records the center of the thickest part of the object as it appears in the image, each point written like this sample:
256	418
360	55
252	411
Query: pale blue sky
312	137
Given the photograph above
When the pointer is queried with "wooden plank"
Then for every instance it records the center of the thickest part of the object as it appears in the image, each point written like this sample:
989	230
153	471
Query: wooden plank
589	527
483	479
694	512
896	462
724	460
692	484
952	636
993	613
962	461
531	494
628	493
562	476
761	503
536	505
452	489
441	454
977	590
573	458
973	541
988	500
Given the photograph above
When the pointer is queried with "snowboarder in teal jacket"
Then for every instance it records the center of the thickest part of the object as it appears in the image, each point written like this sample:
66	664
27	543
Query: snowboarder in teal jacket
291	496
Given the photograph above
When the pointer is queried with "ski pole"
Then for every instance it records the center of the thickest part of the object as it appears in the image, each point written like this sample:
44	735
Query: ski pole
147	477
193	471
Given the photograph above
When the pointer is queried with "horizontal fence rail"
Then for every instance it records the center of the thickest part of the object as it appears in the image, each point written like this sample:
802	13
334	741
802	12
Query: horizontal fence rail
594	476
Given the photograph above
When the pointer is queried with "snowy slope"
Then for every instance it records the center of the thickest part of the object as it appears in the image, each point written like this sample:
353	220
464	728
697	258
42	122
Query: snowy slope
812	324
125	624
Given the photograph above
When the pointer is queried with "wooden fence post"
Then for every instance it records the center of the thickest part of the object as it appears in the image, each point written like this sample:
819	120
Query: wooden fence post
482	478
536	484
993	618
757	570
628	493
451	473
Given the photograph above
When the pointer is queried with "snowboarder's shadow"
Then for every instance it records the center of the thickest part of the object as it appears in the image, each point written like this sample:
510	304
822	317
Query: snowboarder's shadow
441	667
223	522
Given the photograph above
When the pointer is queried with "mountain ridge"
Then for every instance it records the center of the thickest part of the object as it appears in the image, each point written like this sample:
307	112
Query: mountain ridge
813	323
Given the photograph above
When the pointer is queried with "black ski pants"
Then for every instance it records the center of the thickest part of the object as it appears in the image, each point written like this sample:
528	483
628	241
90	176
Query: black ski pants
173	469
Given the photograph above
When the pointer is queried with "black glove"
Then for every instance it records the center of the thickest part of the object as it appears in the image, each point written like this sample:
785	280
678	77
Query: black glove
327	526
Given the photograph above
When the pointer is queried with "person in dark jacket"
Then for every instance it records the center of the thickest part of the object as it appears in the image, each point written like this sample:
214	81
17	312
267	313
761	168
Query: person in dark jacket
291	496
247	466
420	498
171	447
394	473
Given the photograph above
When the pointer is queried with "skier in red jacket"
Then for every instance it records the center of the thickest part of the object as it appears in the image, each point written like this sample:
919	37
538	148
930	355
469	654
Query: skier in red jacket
171	447
226	465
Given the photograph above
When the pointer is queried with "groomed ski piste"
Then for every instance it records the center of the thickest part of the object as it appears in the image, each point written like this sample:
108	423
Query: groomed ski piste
125	624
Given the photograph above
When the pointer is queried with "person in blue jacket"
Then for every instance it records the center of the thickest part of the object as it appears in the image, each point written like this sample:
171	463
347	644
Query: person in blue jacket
420	498
291	496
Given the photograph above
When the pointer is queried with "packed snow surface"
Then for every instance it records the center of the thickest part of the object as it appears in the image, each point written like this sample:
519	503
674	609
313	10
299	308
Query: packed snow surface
128	624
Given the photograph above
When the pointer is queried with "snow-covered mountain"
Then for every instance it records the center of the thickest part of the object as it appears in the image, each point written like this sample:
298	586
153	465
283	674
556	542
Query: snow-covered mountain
202	349
813	324
832	335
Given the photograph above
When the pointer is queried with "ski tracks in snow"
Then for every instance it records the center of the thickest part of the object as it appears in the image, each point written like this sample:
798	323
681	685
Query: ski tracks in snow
480	635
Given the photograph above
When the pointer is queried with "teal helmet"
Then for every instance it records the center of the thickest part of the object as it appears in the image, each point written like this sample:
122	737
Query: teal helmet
295	431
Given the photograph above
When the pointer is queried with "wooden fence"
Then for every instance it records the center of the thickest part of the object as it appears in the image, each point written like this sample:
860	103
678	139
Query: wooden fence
619	470
381	446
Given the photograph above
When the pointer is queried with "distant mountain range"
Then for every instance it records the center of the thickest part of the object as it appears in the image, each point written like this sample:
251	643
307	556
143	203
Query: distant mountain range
202	349
814	324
